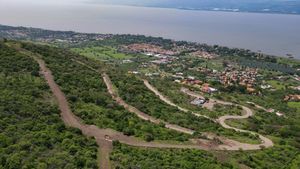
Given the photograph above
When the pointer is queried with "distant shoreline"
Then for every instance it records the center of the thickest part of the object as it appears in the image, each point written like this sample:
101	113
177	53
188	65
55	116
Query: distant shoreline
115	34
220	10
254	31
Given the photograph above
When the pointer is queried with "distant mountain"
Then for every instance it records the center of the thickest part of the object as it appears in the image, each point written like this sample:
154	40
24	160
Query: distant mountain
262	6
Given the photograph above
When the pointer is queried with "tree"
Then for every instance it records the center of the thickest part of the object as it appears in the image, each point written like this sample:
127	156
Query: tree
149	137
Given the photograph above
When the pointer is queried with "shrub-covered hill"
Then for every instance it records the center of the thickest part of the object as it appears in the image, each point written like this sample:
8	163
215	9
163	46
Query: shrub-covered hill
32	135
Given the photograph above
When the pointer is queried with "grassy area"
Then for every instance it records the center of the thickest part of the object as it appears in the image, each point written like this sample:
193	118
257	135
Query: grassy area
276	84
295	105
101	53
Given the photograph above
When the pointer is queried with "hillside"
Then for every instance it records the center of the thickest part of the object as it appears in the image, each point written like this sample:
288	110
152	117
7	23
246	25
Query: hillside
130	98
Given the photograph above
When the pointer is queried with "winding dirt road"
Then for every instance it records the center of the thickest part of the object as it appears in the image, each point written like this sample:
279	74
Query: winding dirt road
169	102
247	112
228	144
139	113
104	137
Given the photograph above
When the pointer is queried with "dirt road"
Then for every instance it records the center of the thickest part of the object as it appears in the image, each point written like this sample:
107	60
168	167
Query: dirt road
139	113
169	102
228	144
105	137
247	112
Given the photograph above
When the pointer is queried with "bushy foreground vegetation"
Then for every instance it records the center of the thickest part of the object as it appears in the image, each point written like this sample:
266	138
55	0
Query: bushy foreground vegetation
279	157
125	157
90	100
32	135
133	91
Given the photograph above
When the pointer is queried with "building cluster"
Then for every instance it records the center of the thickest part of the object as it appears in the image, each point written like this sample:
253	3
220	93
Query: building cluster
292	97
204	55
244	77
192	81
148	49
163	59
296	87
57	36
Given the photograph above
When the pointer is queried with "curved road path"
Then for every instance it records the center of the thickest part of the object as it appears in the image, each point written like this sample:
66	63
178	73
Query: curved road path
104	137
247	113
221	120
169	102
228	144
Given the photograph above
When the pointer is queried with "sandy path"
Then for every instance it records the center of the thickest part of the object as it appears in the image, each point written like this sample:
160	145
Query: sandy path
169	102
104	137
228	144
247	112
139	113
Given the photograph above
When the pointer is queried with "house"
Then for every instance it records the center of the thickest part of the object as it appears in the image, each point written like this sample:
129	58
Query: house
279	114
198	102
191	78
265	86
296	88
133	72
207	89
127	61
270	110
148	74
250	90
292	98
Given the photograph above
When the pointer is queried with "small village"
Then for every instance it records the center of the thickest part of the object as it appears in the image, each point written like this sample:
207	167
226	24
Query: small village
230	75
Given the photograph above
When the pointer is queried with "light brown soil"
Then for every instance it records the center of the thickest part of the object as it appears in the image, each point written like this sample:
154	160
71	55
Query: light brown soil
247	112
104	137
228	144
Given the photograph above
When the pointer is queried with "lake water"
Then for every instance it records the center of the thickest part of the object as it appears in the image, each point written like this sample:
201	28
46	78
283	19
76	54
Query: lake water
270	33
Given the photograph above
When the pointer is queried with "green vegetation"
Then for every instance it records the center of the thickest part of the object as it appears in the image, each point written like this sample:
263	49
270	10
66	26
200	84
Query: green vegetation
295	105
124	157
279	157
133	91
267	65
172	91
101	53
32	135
276	84
89	98
286	129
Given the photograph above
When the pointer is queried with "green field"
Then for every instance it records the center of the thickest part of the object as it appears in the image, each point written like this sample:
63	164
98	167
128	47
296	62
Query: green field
276	84
295	105
101	53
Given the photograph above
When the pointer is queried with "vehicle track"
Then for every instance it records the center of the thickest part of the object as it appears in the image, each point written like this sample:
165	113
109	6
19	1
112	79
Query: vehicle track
247	113
228	144
105	137
169	102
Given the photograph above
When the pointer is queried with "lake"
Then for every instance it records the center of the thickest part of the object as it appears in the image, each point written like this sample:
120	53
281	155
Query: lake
271	33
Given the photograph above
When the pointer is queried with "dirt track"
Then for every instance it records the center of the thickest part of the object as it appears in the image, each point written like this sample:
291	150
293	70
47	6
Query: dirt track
247	112
104	137
228	144
169	102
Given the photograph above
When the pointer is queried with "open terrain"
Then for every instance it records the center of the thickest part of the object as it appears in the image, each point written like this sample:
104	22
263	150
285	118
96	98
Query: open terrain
147	102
